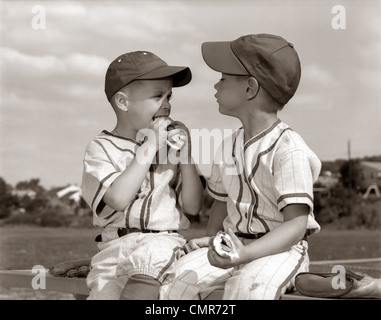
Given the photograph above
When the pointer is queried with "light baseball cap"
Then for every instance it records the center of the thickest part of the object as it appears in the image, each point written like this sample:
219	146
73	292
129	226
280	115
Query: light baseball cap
142	65
270	59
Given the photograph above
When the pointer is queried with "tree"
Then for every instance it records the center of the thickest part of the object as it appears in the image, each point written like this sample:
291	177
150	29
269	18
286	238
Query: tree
350	172
32	184
7	200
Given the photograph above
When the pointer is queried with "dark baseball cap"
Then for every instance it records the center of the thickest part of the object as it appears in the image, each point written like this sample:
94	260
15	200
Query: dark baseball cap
270	59
142	65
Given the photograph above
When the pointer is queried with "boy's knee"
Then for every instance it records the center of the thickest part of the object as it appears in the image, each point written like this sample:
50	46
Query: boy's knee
141	287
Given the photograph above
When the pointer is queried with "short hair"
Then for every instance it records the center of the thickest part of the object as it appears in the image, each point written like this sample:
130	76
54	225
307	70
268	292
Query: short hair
124	89
277	105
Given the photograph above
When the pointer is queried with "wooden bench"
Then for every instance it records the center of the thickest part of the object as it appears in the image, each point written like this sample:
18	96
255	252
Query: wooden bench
75	286
23	279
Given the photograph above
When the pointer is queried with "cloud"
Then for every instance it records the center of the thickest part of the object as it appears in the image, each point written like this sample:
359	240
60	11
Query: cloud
316	89
29	76
318	76
104	27
52	98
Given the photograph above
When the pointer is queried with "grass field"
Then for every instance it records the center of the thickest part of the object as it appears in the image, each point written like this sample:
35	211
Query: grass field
22	247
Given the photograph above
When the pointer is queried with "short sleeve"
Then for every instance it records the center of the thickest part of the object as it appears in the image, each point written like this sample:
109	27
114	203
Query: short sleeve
98	174
215	185
293	179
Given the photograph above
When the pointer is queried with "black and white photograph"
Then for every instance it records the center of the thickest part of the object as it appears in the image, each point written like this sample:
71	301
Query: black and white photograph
187	152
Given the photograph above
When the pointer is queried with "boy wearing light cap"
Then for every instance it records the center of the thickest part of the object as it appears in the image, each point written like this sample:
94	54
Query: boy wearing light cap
137	197
263	191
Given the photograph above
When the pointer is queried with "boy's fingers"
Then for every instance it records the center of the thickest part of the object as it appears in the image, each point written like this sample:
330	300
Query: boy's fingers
165	124
162	122
211	243
187	248
184	138
181	125
178	123
213	257
233	237
177	131
190	246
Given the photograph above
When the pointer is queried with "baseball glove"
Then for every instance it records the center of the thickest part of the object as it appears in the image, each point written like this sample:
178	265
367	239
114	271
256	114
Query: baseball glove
357	285
73	268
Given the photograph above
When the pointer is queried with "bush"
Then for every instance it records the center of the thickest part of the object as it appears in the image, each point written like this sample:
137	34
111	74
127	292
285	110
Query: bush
339	204
5	212
7	201
55	217
346	209
52	216
19	219
368	213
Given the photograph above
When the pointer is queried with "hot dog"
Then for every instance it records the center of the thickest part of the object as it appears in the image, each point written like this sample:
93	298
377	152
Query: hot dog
224	245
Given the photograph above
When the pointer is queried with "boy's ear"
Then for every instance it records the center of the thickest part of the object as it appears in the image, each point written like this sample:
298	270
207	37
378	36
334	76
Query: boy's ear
121	101
252	88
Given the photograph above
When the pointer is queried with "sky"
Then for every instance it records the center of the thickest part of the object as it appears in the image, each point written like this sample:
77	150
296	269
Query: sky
54	55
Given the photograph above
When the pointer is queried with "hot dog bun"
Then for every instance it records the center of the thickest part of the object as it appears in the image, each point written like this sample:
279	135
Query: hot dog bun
224	245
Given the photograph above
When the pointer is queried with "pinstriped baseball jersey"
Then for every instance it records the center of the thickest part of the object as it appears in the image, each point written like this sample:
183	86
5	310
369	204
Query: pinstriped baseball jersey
155	205
259	178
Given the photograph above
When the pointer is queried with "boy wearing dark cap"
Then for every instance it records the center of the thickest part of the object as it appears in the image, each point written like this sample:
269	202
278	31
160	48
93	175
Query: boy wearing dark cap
264	190
137	197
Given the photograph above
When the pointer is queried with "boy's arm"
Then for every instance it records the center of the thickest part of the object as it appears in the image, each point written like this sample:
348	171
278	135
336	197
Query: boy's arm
278	240
283	237
125	187
192	190
217	215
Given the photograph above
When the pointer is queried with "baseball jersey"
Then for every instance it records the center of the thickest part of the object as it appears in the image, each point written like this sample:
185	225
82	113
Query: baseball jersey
156	206
259	178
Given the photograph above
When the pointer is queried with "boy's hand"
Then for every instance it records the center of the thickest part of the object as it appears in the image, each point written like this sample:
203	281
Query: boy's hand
159	127
225	263
195	244
179	140
176	138
178	135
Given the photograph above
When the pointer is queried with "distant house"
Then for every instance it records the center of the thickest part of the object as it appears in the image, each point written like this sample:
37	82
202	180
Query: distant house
370	173
370	177
71	192
71	196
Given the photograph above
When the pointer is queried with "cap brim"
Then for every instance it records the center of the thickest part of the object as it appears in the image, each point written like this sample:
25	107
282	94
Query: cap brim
181	75
220	57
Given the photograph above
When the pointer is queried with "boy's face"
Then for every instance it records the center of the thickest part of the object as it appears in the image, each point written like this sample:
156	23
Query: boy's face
230	93
148	97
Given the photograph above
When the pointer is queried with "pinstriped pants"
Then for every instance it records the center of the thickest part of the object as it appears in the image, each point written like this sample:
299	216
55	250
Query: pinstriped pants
266	278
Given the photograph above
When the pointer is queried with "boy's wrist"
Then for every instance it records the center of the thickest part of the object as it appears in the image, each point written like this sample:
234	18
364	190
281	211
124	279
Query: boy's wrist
146	152
186	158
188	164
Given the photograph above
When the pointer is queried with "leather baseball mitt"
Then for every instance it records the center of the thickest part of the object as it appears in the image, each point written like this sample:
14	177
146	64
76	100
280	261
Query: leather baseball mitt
73	268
